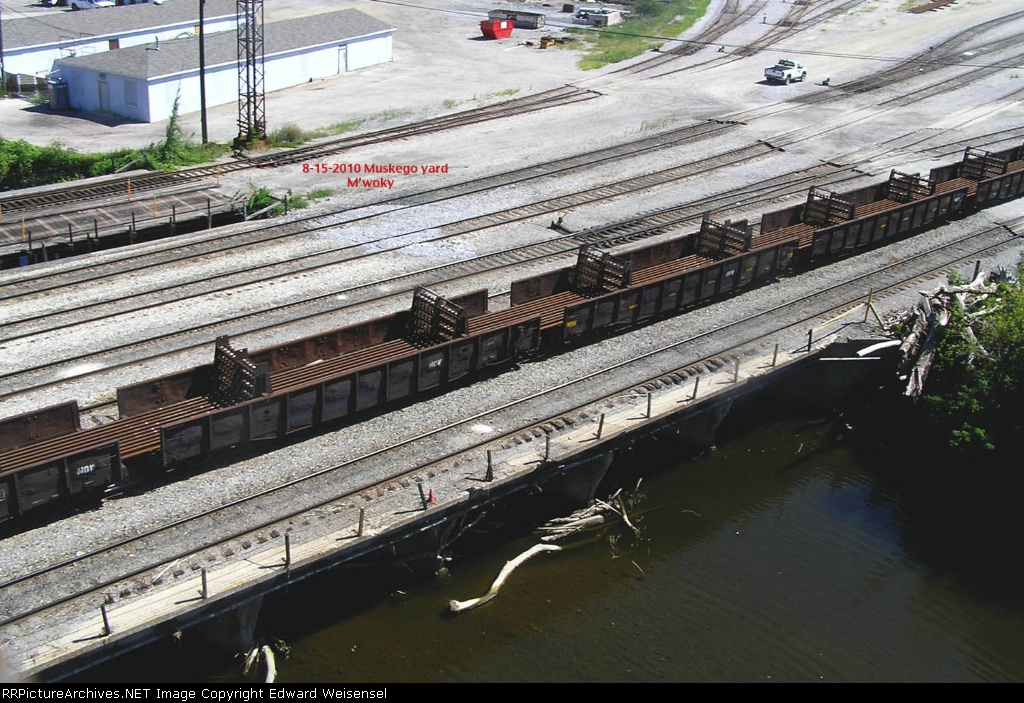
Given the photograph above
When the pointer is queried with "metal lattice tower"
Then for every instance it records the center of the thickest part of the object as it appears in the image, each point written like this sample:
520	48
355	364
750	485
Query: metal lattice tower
252	120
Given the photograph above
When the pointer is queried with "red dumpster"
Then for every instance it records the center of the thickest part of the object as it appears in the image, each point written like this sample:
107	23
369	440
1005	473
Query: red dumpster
496	29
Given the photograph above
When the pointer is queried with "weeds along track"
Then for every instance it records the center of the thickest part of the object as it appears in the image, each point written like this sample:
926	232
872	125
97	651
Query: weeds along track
157	558
731	17
800	16
101	359
162	253
196	338
565	95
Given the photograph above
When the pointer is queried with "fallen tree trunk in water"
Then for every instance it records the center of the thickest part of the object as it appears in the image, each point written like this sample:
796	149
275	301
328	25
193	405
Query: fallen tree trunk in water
460	606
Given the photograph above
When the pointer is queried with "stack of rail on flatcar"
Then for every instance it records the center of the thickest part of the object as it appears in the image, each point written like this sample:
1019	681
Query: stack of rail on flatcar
335	376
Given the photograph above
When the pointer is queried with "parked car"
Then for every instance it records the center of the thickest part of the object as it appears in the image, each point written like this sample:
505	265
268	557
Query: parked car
89	4
785	71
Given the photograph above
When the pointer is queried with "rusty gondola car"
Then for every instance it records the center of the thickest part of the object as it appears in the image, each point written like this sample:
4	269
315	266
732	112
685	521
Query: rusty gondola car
346	373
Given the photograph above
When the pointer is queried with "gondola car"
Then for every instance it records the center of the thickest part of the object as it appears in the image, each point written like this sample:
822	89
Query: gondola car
340	375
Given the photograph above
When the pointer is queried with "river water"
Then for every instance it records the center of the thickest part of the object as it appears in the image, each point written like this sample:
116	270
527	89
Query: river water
788	553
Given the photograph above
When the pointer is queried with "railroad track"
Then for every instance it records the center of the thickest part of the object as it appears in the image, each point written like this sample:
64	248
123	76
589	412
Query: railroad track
799	18
198	338
902	72
84	272
952	47
149	559
731	17
19	327
565	95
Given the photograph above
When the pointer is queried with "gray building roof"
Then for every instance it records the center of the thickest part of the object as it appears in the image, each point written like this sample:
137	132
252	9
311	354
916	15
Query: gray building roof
41	30
182	55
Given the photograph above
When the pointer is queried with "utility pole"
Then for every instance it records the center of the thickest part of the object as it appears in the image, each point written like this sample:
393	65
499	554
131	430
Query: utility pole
252	124
202	70
3	76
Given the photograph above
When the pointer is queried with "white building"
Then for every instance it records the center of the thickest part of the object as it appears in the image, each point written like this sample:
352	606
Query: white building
32	44
141	82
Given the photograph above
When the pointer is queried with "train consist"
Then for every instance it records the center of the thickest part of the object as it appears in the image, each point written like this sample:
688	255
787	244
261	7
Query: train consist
330	378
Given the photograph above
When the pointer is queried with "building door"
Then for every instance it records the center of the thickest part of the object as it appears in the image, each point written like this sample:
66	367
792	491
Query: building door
104	96
342	59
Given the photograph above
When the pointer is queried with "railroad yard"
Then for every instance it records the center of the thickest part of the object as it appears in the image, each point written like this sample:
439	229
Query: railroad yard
524	168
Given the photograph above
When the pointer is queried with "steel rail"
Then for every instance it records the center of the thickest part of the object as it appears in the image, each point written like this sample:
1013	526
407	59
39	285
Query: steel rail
285	230
150	181
212	328
476	417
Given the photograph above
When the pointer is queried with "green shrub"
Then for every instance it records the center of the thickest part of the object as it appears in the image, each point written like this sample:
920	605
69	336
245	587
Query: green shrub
287	135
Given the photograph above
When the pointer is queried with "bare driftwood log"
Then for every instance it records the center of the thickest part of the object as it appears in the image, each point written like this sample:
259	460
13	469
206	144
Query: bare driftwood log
250	660
271	665
919	372
460	606
932	316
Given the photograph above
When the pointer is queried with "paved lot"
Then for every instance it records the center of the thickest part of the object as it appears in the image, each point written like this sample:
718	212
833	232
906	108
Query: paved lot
439	56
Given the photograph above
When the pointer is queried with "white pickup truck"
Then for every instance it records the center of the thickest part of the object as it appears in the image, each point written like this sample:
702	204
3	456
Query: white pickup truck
785	71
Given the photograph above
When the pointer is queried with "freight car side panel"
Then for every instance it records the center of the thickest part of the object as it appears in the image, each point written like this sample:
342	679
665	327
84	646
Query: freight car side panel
834	242
542	286
493	348
558	281
61	477
401	379
365	389
524	338
369	388
6	499
38	485
183	442
229	428
432	366
649	299
1004	187
302	406
337	399
38	425
94	468
156	393
677	291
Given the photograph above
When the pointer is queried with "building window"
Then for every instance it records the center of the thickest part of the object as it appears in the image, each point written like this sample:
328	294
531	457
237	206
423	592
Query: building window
130	95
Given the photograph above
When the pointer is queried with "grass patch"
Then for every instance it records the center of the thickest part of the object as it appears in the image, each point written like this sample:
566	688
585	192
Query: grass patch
651	20
451	102
24	165
500	93
319	193
655	125
291	135
272	206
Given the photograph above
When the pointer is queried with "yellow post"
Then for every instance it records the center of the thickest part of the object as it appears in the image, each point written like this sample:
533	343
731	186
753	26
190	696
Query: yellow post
250	189
154	207
218	176
129	189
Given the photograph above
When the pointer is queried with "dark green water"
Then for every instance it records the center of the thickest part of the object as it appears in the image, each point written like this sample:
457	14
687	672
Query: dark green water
784	555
